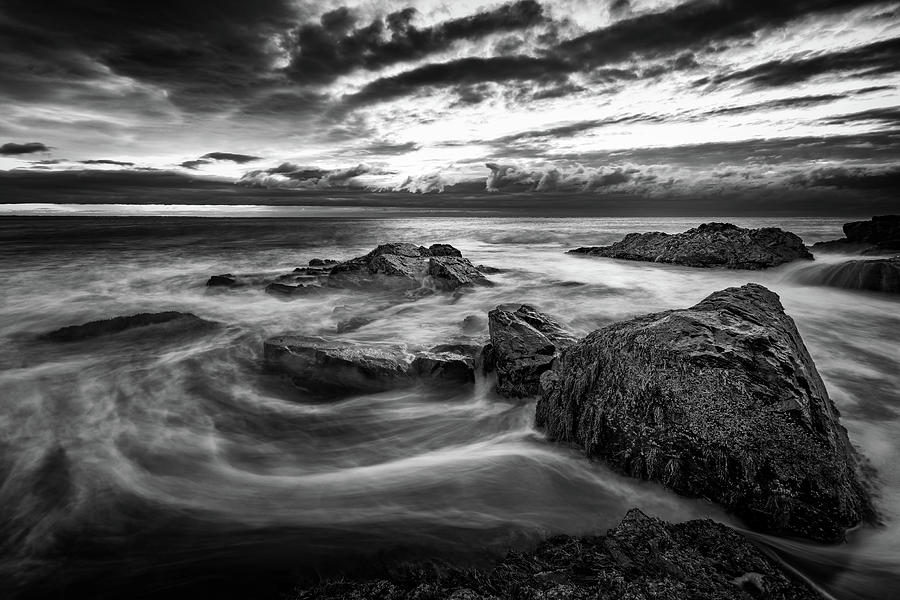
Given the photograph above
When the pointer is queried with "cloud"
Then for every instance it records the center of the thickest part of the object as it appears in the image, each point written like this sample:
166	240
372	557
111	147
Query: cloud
781	103
879	58
238	158
886	116
13	149
861	178
193	164
105	161
512	178
295	176
336	45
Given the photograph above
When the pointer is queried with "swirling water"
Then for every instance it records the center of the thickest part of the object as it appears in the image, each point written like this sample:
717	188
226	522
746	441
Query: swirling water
157	463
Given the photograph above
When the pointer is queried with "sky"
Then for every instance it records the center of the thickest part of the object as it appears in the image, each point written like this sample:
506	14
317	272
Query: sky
787	100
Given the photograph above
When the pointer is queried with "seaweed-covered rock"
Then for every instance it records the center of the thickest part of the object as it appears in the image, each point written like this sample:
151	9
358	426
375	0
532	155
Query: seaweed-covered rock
877	236
642	558
524	344
171	320
877	275
721	400
709	245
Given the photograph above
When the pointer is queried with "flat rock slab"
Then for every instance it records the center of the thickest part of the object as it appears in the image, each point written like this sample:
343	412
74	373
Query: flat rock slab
720	400
170	320
524	344
643	558
709	245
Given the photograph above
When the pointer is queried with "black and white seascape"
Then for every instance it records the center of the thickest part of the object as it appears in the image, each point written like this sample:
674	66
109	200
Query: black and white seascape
472	301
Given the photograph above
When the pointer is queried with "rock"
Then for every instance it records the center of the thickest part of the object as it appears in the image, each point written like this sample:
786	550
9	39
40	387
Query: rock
281	288
451	272
353	323
524	344
327	367
468	350
473	324
171	320
722	401
226	280
709	245
878	275
643	558
879	235
405	266
448	367
319	262
489	270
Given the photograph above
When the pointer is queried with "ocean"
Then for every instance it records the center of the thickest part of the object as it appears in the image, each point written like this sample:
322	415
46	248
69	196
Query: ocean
175	464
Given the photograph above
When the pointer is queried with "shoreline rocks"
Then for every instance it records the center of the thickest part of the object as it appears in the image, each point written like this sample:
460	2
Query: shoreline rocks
720	400
877	236
876	275
170	319
709	245
524	343
641	558
331	367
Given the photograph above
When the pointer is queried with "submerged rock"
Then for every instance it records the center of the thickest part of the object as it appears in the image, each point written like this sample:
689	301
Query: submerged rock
876	236
524	344
225	280
878	275
709	245
330	367
178	321
721	401
642	558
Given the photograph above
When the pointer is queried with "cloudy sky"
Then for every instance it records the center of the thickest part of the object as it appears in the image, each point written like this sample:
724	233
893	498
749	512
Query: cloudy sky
657	98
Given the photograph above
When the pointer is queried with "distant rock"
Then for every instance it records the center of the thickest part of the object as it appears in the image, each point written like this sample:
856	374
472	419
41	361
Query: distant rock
721	401
878	236
877	275
319	262
171	320
524	344
709	245
328	367
225	280
642	558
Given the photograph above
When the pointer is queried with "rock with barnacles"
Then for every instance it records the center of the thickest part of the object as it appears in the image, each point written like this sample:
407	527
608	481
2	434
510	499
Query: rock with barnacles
720	400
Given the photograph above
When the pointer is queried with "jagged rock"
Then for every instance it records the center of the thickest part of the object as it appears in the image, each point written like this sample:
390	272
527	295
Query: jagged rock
468	350
328	367
225	280
877	236
643	558
172	320
878	275
319	262
709	245
444	366
524	344
443	250
451	272
722	401
325	367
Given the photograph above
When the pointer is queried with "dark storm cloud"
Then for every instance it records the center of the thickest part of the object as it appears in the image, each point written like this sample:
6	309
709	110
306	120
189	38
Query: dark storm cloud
886	116
237	158
879	58
289	174
13	149
781	103
552	178
573	129
393	149
106	161
193	164
336	45
862	178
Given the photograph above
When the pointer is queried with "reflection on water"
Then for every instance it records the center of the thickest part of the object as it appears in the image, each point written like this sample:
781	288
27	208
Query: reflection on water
142	462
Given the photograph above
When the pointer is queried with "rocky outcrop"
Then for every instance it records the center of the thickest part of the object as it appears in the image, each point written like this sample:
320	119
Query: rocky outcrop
877	275
709	245
329	367
451	272
642	558
722	401
878	236
171	320
524	343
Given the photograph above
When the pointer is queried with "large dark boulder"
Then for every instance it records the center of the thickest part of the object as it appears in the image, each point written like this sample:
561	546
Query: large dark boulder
174	321
524	344
643	558
876	236
877	275
721	401
333	367
709	245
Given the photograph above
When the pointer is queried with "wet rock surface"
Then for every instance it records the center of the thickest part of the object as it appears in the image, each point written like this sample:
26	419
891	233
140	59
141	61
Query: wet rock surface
877	275
877	236
524	343
642	558
170	320
721	401
709	245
